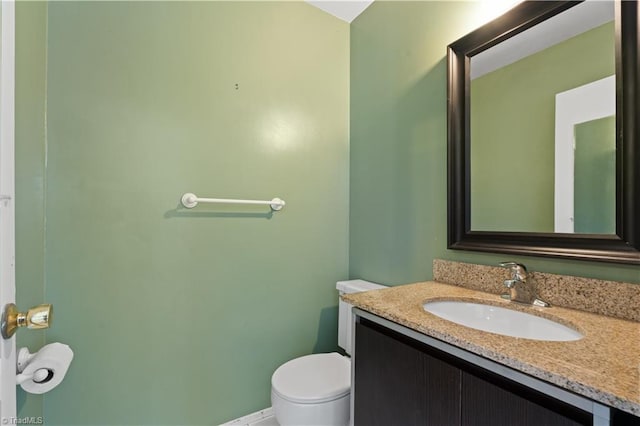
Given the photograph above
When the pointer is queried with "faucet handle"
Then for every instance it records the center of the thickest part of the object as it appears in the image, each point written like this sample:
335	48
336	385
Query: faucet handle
510	283
511	264
518	270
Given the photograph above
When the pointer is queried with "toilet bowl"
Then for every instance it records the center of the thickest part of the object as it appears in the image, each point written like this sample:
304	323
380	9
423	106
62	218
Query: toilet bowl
315	389
312	390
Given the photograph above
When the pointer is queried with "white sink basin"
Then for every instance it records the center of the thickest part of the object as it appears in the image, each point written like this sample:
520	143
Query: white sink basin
507	322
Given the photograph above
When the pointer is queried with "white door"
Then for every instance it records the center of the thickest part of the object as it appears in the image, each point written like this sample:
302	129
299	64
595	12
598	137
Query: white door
7	214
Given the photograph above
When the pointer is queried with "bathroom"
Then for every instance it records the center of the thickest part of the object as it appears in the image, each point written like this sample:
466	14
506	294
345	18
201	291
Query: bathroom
181	316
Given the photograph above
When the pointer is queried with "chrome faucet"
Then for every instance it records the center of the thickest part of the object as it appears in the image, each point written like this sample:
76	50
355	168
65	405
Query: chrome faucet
521	286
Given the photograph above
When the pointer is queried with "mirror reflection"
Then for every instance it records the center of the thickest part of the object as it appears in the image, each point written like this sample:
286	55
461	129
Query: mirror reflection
542	126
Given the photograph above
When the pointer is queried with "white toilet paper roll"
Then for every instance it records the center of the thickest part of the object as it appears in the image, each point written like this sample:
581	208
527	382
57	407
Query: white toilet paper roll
46	368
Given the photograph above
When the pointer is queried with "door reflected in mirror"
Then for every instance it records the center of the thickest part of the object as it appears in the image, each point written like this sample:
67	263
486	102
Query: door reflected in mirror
541	159
585	159
595	177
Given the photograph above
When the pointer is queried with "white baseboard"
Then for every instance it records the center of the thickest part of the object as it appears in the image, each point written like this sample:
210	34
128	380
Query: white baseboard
250	419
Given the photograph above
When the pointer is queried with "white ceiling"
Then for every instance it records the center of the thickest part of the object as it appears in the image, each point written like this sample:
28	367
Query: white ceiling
576	20
347	10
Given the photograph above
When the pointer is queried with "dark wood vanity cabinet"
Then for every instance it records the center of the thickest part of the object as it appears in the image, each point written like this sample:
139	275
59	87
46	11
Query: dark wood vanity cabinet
393	379
496	401
400	381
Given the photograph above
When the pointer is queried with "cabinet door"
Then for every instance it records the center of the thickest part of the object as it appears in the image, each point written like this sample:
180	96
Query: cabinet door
442	382
398	384
498	402
399	381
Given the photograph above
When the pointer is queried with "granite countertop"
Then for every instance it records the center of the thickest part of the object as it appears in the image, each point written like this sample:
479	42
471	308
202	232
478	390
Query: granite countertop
603	366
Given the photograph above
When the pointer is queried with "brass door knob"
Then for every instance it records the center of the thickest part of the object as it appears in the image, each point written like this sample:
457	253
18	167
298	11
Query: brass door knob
35	318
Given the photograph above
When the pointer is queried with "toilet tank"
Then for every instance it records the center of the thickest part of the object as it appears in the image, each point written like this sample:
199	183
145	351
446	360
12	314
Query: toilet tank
345	320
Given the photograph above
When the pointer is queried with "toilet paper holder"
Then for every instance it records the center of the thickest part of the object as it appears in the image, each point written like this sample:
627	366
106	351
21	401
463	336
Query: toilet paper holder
35	318
44	370
39	376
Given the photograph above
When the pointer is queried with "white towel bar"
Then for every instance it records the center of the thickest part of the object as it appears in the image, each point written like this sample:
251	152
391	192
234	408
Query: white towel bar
190	200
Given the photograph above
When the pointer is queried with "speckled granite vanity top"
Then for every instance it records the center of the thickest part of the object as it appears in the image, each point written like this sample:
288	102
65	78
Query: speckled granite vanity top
603	366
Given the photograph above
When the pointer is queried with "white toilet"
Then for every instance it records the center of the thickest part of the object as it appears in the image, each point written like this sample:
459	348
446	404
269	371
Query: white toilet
314	389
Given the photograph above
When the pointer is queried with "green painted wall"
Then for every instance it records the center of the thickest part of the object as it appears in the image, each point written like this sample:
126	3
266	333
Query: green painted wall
31	27
398	202
176	316
180	317
513	130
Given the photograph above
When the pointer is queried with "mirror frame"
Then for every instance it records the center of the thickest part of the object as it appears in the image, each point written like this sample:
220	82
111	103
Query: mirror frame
622	247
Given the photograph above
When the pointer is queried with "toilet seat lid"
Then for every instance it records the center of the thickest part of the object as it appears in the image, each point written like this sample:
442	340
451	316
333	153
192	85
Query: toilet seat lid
313	378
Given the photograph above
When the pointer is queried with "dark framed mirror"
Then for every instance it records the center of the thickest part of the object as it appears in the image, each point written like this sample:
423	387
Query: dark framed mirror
544	133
